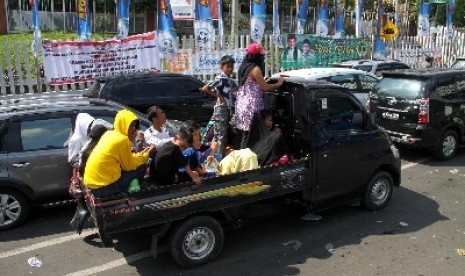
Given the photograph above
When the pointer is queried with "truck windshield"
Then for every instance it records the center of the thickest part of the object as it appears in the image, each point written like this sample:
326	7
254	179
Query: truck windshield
408	89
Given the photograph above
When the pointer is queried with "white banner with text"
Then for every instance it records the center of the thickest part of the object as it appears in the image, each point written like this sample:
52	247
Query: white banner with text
74	61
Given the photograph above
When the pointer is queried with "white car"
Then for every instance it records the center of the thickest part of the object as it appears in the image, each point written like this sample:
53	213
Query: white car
358	82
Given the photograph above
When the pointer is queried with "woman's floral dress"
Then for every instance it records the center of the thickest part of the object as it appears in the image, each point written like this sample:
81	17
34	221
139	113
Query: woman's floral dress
249	101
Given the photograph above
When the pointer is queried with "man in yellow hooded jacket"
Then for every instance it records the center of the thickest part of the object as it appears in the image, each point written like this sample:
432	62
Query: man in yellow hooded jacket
112	165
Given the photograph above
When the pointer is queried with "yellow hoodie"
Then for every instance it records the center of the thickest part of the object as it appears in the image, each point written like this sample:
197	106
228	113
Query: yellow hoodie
112	154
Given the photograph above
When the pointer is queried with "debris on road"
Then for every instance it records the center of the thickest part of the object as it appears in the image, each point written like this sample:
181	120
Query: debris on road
460	251
379	221
403	224
454	171
34	262
310	216
329	247
296	246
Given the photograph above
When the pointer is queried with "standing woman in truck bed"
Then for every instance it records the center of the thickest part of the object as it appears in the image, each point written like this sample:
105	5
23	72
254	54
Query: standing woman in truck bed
249	100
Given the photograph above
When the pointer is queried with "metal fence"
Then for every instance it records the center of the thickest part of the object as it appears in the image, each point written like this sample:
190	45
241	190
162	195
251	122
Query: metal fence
20	69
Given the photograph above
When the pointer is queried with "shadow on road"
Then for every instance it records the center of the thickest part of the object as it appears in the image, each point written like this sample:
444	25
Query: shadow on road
260	249
42	222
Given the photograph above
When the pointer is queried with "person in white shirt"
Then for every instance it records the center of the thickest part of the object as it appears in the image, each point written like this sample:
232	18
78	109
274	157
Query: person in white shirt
157	134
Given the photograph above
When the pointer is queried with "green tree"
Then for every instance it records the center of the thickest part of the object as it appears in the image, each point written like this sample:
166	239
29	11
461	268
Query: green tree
459	18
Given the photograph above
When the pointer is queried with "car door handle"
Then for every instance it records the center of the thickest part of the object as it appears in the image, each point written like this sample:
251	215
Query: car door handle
20	165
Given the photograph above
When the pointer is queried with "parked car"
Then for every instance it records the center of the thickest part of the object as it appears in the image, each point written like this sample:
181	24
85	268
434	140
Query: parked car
34	134
358	82
178	95
422	108
459	63
372	66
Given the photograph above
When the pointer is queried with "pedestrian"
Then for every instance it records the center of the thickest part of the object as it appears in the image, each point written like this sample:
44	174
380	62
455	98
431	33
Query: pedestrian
252	85
224	89
428	62
112	165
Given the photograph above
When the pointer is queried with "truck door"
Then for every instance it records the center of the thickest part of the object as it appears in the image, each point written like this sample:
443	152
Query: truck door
341	145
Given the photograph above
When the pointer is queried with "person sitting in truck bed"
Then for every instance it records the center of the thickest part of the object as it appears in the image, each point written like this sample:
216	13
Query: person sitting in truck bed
169	159
112	165
157	134
198	153
84	123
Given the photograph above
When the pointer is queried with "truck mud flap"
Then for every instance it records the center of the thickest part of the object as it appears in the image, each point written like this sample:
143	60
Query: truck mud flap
80	217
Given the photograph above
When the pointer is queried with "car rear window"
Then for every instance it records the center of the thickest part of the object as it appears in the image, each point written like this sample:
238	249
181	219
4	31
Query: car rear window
409	89
96	88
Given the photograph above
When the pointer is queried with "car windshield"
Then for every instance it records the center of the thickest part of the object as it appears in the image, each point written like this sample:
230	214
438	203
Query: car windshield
459	64
409	89
95	89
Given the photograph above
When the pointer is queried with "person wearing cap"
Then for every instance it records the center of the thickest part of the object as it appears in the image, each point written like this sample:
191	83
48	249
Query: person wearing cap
252	85
112	165
224	89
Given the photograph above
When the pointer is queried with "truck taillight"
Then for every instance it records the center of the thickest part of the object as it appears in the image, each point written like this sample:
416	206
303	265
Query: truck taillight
423	114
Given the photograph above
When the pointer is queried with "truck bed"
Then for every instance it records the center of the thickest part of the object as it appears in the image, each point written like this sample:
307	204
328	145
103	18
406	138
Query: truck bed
153	206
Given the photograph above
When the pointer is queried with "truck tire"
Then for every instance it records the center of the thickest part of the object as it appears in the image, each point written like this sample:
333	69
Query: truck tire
447	145
196	241
379	191
14	208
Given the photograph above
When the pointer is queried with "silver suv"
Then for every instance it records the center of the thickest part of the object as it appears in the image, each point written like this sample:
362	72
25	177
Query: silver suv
34	135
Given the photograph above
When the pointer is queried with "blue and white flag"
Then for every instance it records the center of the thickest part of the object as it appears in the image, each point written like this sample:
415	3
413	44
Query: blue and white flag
339	32
122	7
84	21
257	22
36	43
203	25
359	26
380	45
302	12
423	18
322	25
167	37
276	30
450	18
220	22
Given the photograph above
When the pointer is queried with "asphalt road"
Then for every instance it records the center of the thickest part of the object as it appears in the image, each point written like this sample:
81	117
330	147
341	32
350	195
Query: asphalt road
430	205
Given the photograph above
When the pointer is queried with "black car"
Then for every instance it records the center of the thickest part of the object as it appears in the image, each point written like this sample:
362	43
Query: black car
34	134
178	95
422	108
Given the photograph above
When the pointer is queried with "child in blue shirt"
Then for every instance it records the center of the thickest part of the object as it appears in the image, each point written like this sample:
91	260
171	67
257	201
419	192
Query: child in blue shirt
224	89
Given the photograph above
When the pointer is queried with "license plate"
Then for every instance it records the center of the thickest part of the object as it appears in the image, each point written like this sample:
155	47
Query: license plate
390	115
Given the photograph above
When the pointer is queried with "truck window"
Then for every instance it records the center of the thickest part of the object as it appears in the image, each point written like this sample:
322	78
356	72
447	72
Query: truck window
337	113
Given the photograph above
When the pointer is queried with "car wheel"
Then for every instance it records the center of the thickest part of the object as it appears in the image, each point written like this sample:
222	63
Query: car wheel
447	146
196	241
379	191
14	208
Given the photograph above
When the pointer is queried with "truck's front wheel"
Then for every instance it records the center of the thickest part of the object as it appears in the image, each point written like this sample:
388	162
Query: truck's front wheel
378	191
196	241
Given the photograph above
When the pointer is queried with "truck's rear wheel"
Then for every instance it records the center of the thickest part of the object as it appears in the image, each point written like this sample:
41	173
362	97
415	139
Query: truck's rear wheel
447	145
379	191
196	241
14	208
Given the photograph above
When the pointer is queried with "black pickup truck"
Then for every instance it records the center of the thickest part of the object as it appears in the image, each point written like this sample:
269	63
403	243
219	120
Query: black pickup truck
338	155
